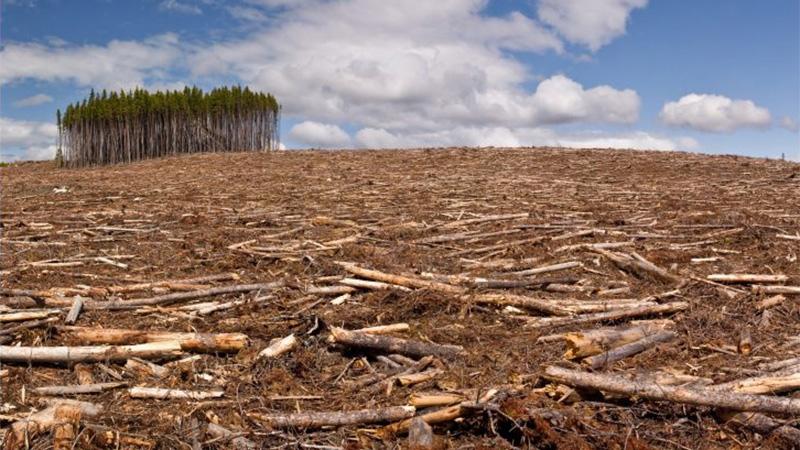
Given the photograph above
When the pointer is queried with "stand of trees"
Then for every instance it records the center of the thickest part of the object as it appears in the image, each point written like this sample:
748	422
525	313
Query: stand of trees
121	127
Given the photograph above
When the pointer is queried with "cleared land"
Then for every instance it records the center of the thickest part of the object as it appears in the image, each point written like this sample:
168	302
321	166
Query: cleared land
494	259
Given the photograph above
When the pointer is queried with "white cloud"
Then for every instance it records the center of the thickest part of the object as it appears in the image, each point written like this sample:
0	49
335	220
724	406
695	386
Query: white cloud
320	135
789	124
33	100
23	139
409	67
178	6
518	137
247	14
714	113
119	64
593	23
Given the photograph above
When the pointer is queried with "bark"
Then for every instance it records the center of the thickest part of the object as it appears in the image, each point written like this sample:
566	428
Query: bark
225	435
172	394
766	426
190	342
74	311
788	290
307	420
389	344
541	322
747	278
278	347
77	389
692	396
30	355
43	420
607	358
592	342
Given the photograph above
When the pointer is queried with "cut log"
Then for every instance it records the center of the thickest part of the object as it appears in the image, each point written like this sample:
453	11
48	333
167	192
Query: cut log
490	218
172	394
278	347
28	315
438	416
630	349
329	290
172	283
551	307
74	311
400	280
153	350
767	426
390	344
638	265
146	368
77	389
545	269
27	325
788	290
428	400
190	342
775	383
745	345
693	396
371	285
420	435
384	329
192	295
83	373
306	420
739	278
592	342
541	322
66	418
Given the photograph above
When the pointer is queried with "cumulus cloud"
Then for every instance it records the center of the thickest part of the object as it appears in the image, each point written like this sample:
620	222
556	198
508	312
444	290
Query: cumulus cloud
119	64
714	113
23	139
33	100
789	124
319	135
519	137
593	23
178	6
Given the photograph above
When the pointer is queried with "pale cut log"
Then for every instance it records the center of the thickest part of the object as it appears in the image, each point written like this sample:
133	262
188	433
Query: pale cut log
223	434
638	265
168	283
310	420
500	246
490	218
505	264
411	282
594	246
788	290
740	278
390	344
616	354
23	430
466	235
745	345
28	315
429	400
592	342
95	388
421	377
536	304
541	322
329	290
384	329
693	396
172	394
777	365
278	347
152	350
74	311
545	269
766	384
185	296
404	360
767	426
442	415
190	342
372	285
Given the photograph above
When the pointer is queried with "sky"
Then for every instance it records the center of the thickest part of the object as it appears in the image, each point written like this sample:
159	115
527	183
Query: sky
711	76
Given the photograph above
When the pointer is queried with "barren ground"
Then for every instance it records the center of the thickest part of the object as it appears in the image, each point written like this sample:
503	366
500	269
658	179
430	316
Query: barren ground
296	213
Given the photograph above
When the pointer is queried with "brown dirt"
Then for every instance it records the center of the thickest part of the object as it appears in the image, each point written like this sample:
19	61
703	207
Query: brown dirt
188	210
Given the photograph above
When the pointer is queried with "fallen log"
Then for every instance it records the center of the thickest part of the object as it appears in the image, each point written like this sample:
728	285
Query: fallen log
237	441
74	311
190	342
27	315
592	342
400	280
766	426
490	218
439	416
278	347
371	285
184	296
169	283
25	429
616	354
739	278
786	380
541	322
692	396
777	289
305	420
384	329
172	394
95	388
390	344
152	350
27	325
545	269
638	265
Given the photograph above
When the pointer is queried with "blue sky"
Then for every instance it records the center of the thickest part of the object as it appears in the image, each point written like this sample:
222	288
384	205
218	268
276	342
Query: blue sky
715	76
